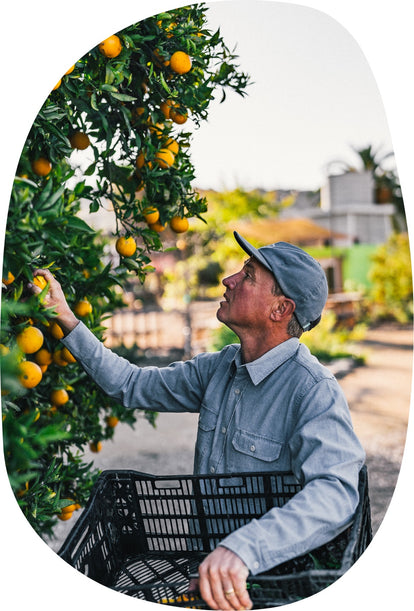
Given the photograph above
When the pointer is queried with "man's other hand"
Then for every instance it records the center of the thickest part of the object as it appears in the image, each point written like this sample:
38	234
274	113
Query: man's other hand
222	580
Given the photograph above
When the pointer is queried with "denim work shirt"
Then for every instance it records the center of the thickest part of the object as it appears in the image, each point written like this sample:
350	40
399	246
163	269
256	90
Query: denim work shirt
282	412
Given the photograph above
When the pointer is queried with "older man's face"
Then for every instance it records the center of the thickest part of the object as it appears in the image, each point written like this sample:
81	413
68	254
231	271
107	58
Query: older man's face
248	299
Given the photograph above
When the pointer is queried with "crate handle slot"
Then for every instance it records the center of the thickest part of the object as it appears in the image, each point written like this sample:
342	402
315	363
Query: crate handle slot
162	484
230	482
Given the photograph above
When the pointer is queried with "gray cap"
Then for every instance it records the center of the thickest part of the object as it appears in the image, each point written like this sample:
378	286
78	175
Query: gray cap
299	275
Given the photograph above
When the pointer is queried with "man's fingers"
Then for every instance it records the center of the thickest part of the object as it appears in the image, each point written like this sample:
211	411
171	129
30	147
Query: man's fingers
46	273
223	581
240	589
205	592
193	585
223	595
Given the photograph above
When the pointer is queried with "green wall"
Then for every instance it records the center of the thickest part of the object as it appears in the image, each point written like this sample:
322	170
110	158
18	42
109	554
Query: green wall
356	262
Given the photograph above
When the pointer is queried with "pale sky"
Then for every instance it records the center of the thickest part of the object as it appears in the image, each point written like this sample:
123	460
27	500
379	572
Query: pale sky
323	99
313	97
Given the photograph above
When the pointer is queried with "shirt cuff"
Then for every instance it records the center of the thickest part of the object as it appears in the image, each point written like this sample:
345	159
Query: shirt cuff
81	342
246	546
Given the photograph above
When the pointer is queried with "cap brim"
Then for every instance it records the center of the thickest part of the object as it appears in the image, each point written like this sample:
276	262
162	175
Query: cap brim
251	250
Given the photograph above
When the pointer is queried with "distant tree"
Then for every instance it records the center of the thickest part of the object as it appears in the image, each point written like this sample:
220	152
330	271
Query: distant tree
391	296
209	249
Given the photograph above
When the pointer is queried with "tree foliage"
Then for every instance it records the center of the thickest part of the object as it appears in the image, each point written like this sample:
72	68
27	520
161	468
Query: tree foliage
122	112
391	295
210	248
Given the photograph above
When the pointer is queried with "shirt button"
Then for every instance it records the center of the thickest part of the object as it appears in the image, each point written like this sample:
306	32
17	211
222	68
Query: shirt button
212	469
253	448
223	429
256	565
237	391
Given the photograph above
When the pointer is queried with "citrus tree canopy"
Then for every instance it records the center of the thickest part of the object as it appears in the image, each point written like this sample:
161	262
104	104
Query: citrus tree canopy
124	108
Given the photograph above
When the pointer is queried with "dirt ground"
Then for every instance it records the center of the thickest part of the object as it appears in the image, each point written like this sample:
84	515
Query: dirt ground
379	398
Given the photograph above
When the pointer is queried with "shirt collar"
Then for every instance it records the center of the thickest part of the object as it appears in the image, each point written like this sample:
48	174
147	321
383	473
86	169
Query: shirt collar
260	368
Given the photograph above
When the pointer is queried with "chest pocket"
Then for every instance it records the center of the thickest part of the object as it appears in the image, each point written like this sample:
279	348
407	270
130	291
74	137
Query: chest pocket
257	446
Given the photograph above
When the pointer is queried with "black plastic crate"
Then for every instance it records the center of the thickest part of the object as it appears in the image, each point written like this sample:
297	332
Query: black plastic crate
146	535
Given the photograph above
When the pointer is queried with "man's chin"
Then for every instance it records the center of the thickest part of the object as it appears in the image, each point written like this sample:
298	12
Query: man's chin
220	313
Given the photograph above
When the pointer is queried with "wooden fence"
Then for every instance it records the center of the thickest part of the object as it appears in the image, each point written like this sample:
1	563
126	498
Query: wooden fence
159	330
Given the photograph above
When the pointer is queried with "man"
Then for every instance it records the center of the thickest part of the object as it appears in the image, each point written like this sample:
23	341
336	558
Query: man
266	405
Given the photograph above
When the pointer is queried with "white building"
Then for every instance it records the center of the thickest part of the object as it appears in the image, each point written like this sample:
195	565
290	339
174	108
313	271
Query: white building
348	207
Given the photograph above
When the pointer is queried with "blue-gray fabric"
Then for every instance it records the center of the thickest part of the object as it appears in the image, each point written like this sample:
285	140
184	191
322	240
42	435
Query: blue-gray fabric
284	411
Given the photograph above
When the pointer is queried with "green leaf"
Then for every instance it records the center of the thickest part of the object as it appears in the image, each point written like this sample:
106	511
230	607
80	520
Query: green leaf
49	203
90	170
164	84
109	75
106	87
77	223
45	193
130	264
94	104
123	97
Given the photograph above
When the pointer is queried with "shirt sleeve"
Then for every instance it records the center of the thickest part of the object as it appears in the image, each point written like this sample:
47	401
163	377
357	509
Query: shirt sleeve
326	459
177	388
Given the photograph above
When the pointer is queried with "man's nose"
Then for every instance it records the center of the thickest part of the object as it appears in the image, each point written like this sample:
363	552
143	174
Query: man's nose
231	281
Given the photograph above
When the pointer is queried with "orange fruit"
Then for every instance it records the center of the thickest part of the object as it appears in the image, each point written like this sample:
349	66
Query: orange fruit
83	308
56	331
43	357
139	110
22	492
178	224
30	340
159	59
58	84
67	355
111	46
4	350
58	359
30	374
165	108
158	227
140	161
112	421
95	446
59	397
172	145
126	247
41	166
169	28
180	62
71	69
178	116
164	158
181	598
64	516
40	281
68	508
156	129
79	140
9	279
151	215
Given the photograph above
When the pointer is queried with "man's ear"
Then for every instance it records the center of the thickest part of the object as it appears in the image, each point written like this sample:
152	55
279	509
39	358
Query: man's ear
283	308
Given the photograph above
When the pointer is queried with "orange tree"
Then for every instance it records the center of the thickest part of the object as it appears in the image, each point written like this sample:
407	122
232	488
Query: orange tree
125	105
